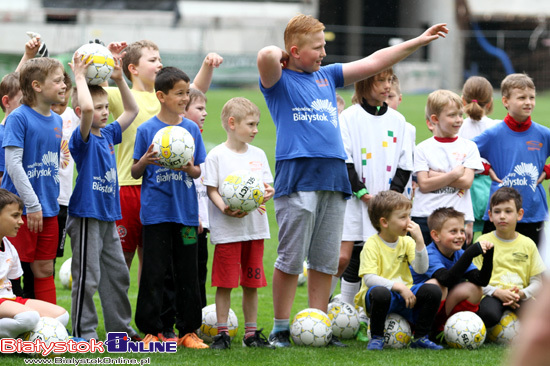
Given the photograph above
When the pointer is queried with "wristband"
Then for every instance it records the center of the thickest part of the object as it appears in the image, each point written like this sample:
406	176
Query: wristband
361	193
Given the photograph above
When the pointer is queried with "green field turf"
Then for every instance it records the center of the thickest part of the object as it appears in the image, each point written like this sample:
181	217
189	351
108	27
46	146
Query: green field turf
413	109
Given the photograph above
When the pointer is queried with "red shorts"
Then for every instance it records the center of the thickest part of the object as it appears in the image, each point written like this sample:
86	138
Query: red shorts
241	259
18	300
129	227
37	246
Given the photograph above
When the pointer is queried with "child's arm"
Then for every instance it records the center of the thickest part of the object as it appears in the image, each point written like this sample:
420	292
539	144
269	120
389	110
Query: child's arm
203	79
269	192
386	57
533	288
452	276
139	166
86	103
507	297
464	182
131	108
429	184
481	277
194	171
217	200
271	61
31	49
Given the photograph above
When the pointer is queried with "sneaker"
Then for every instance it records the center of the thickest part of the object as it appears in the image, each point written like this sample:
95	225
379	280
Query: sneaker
425	343
258	340
148	339
221	341
334	341
362	334
168	336
191	340
280	339
376	343
136	338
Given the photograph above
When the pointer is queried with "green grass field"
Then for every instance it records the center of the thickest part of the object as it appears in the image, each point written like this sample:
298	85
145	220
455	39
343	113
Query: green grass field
413	109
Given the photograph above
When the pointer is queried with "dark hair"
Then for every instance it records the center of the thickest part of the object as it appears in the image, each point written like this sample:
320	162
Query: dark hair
167	77
7	198
384	203
506	194
95	91
9	86
438	218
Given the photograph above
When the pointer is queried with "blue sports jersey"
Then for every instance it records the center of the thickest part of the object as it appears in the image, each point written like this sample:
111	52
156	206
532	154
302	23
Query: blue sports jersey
95	193
2	151
438	261
518	159
168	195
40	137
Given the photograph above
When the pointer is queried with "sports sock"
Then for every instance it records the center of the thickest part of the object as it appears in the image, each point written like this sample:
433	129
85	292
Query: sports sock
222	328
280	325
20	323
250	329
333	284
44	289
348	291
64	318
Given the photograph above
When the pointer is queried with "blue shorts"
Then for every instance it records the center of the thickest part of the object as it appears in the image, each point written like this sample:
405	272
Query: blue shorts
398	305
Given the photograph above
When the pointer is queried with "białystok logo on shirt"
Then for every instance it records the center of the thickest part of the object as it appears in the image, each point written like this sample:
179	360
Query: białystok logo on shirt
321	110
523	175
107	183
48	167
167	175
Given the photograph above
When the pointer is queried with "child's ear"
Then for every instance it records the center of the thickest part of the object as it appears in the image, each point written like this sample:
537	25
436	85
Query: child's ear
36	86
160	96
434	119
505	102
78	111
463	101
435	236
133	69
383	222
231	122
490	215
5	100
295	52
520	214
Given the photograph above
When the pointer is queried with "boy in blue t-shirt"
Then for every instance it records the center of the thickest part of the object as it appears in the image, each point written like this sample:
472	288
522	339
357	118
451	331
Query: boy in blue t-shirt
170	217
98	262
451	267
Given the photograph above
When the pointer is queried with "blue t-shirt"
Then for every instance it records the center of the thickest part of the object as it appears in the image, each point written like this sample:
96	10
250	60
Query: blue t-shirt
518	159
95	193
168	195
304	109
2	151
40	138
438	261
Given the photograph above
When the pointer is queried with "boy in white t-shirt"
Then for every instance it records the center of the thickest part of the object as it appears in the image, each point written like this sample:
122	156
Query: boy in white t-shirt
238	236
444	164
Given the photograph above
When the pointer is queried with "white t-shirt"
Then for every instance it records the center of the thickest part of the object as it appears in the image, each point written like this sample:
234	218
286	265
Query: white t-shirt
221	162
202	196
10	268
66	162
377	146
471	128
443	157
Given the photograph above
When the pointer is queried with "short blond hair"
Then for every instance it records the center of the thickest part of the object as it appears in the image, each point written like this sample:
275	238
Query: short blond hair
516	81
384	204
363	87
134	53
238	108
35	69
439	99
298	28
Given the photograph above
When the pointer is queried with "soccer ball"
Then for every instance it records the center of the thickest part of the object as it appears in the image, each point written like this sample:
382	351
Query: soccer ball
47	330
209	330
174	146
465	330
243	190
345	320
363	317
65	276
397	331
102	65
311	327
302	277
506	329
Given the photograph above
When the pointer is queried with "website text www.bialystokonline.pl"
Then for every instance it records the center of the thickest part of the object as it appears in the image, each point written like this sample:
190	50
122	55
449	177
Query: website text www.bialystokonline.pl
88	361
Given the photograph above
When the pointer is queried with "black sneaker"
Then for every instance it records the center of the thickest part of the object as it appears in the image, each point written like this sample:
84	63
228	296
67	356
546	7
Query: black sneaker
280	339
257	340
336	342
221	341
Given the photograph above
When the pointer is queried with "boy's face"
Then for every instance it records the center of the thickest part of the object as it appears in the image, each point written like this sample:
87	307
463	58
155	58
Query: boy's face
380	89
394	99
196	112
398	222
311	53
448	123
520	103
451	237
101	111
246	129
10	220
177	98
505	216
59	108
53	88
149	65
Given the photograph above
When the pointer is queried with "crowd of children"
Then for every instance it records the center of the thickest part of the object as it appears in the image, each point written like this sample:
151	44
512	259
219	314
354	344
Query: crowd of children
354	197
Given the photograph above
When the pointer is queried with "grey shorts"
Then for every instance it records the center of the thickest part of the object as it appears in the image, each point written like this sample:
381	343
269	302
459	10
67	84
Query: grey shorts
310	226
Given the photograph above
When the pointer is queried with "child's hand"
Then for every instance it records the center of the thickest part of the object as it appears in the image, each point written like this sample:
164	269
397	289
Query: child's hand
366	198
416	233
117	71
32	47
269	192
35	221
542	177
433	33
493	176
406	294
508	297
238	214
486	245
116	48
79	66
150	157
213	60
284	59
458	171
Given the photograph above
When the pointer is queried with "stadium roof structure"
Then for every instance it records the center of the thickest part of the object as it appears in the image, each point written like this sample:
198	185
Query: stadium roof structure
503	10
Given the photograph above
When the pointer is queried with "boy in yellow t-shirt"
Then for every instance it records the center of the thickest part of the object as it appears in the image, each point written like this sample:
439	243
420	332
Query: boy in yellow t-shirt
387	284
517	265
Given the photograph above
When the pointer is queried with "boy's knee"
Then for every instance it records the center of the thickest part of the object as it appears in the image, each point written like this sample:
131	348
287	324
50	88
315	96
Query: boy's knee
379	294
429	291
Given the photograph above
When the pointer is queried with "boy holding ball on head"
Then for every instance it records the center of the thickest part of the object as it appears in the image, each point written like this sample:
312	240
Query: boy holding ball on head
238	235
170	217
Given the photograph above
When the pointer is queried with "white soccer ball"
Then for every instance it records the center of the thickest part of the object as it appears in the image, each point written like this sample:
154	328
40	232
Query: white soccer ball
311	327
47	330
302	277
465	329
102	65
397	332
345	320
243	190
174	146
506	329
209	330
65	276
361	313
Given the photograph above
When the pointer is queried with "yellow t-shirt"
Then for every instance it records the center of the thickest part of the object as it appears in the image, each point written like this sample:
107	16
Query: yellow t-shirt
149	106
514	262
379	259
